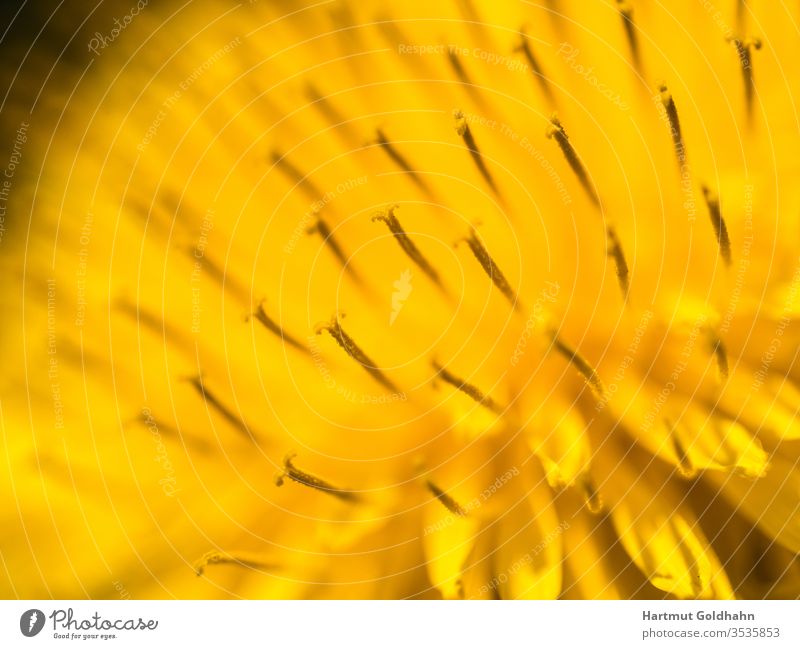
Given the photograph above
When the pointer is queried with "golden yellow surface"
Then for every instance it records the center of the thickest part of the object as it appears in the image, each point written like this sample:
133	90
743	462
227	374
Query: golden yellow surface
606	409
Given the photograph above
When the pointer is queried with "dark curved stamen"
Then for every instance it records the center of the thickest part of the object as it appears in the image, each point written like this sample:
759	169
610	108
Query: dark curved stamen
491	269
674	124
408	246
151	321
309	480
296	176
328	238
473	392
193	441
582	365
324	105
616	253
557	131
448	501
226	413
226	280
260	314
467	8
463	77
463	130
525	49
241	559
334	328
400	161
626	11
720	229
744	49
390	30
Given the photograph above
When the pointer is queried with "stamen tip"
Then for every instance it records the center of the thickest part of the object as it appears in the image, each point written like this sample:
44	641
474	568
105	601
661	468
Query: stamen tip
460	122
313	227
592	499
386	214
330	323
554	126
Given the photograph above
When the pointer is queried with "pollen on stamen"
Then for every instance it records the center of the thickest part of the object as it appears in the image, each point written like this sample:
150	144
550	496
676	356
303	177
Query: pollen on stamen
302	477
556	130
409	247
400	161
473	392
448	501
490	268
334	328
463	130
720	229
241	559
582	365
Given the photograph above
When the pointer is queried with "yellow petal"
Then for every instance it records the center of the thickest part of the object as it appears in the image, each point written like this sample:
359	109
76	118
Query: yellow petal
771	502
558	437
448	540
661	535
527	564
684	432
766	404
712	442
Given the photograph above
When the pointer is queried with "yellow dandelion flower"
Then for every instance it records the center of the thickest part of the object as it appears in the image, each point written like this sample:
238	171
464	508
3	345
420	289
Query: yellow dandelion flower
369	300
